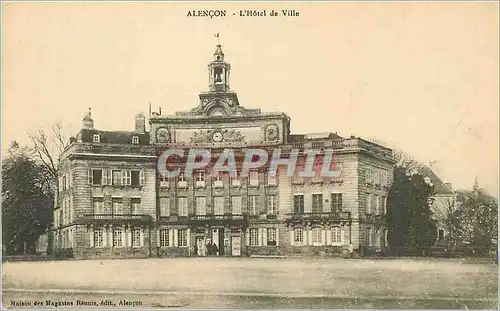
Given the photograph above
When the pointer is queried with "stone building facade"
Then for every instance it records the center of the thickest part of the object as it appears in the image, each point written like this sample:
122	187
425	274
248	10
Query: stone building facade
114	203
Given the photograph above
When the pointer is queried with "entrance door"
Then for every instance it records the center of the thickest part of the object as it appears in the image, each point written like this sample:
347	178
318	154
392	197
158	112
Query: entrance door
200	246
236	246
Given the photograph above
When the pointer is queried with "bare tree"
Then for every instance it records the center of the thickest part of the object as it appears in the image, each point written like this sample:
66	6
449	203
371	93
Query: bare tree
402	159
47	148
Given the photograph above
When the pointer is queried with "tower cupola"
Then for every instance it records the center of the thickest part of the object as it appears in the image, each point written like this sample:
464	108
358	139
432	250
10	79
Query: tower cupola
218	72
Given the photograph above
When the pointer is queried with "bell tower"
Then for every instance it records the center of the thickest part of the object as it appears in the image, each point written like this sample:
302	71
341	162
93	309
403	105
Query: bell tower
218	72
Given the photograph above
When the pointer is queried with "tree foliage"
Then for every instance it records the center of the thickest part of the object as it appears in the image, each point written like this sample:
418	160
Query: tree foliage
26	204
411	229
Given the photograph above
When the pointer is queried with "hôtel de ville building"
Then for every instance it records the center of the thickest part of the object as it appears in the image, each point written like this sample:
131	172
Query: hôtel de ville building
113	202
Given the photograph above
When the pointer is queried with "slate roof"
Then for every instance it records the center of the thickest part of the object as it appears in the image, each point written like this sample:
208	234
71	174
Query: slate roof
439	186
114	137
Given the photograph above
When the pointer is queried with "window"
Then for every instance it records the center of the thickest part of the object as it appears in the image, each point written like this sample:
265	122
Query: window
271	236
235	180
117	237
253	202
336	235
164	180
374	203
135	140
298	235
164	207
182	238
126	177
117	206
96	138
317	203
218	205
135	180
200	178
164	238
116	177
182	207
254	178
336	202
96	177
64	184
218	180
136	238
98	238
201	208
297	179
369	175
135	206
377	177
368	204
98	205
383	205
317	238
254	237
272	180
298	204
383	238
271	205
181	180
369	233
236	205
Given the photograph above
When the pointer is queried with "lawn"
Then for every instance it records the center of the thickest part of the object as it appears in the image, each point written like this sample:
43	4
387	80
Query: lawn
259	283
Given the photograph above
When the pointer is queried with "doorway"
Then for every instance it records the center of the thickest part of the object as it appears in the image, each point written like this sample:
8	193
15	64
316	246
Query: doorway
235	246
218	239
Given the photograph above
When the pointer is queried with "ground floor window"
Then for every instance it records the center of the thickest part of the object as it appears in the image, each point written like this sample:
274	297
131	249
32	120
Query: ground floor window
182	238
136	238
271	236
298	234
98	238
336	235
316	236
254	237
117	238
164	238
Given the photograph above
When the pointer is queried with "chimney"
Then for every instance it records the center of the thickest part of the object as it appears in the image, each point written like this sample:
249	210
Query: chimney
87	121
140	123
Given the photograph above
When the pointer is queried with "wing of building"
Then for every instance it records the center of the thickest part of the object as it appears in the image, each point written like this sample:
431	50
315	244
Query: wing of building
444	201
113	202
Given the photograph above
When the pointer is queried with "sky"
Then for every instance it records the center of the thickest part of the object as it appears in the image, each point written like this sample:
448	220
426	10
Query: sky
419	76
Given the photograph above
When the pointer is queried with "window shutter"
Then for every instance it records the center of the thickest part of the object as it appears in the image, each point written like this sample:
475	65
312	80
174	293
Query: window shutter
277	236
89	175
329	236
105	238
175	235
309	237
91	235
158	238
141	237
247	237
124	177
142	178
188	238
368	204
292	237
342	236
323	237
104	177
170	237
264	237
110	177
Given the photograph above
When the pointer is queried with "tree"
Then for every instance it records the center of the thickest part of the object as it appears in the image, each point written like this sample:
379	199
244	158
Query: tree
411	229
477	219
26	207
47	150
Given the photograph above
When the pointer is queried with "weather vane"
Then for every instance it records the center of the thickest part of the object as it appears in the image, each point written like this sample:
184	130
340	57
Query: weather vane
218	38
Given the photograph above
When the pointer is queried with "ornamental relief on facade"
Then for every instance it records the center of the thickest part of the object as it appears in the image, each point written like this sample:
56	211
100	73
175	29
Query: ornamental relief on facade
217	135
